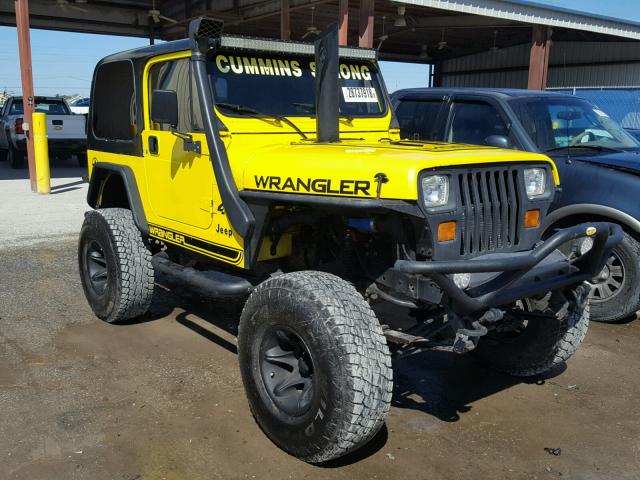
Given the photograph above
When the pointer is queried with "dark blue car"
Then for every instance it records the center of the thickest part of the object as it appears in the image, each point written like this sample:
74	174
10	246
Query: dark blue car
598	162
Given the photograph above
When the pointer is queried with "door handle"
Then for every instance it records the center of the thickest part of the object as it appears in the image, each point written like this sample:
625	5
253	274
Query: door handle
153	145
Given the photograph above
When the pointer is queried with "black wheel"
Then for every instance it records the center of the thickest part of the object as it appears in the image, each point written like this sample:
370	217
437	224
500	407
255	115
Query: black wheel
615	293
537	335
315	365
3	154
15	158
115	265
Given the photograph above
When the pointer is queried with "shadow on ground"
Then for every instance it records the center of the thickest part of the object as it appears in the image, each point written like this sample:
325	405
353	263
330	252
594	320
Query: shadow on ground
439	384
59	169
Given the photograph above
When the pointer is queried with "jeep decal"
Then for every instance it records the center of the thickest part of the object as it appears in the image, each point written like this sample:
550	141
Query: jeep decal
313	185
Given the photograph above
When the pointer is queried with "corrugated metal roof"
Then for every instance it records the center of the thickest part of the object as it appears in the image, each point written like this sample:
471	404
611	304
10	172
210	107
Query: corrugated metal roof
533	12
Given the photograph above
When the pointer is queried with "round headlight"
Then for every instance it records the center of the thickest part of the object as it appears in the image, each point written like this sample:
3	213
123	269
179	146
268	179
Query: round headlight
435	190
535	181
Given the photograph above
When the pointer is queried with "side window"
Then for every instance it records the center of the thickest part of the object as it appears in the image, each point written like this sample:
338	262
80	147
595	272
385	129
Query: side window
473	122
114	111
176	75
418	119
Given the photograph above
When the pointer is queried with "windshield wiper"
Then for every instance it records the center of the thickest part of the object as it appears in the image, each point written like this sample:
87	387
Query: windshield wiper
260	115
308	107
597	148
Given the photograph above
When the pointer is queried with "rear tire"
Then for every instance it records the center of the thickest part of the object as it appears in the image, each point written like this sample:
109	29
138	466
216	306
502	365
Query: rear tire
15	158
115	265
539	344
315	365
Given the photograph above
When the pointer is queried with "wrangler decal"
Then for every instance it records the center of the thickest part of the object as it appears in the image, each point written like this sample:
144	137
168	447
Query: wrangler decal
198	245
314	185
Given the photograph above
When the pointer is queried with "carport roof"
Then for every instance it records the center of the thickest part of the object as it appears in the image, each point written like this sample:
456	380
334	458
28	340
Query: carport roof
464	26
538	13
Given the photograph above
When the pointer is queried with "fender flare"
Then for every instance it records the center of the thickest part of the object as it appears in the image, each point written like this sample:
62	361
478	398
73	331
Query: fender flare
592	209
99	175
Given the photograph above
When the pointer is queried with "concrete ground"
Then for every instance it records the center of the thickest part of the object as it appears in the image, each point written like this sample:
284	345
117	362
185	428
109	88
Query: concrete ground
26	218
162	398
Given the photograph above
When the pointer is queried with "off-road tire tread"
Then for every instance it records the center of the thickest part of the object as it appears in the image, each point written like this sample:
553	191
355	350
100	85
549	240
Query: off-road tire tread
135	270
362	347
571	309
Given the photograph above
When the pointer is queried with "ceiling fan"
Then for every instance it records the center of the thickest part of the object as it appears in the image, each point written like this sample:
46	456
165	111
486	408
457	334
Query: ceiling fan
311	29
424	52
495	48
443	44
69	5
384	36
156	16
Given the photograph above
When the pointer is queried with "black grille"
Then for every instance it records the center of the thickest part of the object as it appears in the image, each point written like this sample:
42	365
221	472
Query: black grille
491	210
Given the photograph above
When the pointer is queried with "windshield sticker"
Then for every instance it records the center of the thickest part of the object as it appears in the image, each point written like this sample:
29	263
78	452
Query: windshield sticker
282	67
600	113
360	94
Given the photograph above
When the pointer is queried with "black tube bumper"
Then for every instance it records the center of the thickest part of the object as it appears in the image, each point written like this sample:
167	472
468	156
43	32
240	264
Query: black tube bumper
521	275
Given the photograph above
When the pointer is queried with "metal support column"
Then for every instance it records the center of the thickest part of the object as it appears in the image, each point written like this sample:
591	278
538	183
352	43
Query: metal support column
437	74
285	20
365	29
26	75
539	58
343	19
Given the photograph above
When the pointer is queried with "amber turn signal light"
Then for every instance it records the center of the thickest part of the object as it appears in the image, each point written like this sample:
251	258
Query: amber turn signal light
531	218
446	231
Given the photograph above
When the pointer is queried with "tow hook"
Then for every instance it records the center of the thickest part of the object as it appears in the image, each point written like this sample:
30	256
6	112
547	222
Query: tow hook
467	338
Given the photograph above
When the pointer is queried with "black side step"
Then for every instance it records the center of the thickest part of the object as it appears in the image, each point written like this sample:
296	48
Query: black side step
213	282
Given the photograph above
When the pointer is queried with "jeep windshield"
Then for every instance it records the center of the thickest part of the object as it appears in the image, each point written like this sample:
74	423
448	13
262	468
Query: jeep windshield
561	123
284	85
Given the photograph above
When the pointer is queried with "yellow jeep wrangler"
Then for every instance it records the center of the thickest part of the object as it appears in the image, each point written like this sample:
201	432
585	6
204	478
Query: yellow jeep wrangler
273	172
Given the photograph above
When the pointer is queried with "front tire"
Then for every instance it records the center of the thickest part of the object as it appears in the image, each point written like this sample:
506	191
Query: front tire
115	265
315	365
616	290
531	345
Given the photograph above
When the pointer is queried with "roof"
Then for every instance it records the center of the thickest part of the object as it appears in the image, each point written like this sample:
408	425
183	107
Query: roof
538	13
490	92
534	4
242	43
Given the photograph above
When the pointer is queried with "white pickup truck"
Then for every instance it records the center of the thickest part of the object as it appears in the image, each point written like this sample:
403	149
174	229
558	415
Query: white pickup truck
65	130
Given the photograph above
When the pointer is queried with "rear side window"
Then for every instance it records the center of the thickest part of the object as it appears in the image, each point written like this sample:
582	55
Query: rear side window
418	119
176	75
113	113
51	107
474	122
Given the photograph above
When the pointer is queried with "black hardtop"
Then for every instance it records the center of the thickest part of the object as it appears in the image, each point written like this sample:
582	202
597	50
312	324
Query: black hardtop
145	53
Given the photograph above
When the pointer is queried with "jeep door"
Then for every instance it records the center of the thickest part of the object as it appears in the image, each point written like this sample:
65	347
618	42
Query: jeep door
180	183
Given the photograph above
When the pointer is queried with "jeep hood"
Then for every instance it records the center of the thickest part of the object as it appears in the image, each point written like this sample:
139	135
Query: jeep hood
349	168
626	161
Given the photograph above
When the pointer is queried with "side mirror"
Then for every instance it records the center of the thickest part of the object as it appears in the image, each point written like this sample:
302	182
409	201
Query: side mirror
499	141
164	107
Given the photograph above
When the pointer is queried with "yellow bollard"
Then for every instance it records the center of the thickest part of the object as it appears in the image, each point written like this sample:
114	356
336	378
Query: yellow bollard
41	149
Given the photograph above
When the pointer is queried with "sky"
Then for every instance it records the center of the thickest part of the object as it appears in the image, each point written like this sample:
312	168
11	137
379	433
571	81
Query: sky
63	62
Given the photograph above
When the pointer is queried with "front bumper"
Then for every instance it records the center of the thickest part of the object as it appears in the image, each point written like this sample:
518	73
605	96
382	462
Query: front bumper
521	275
